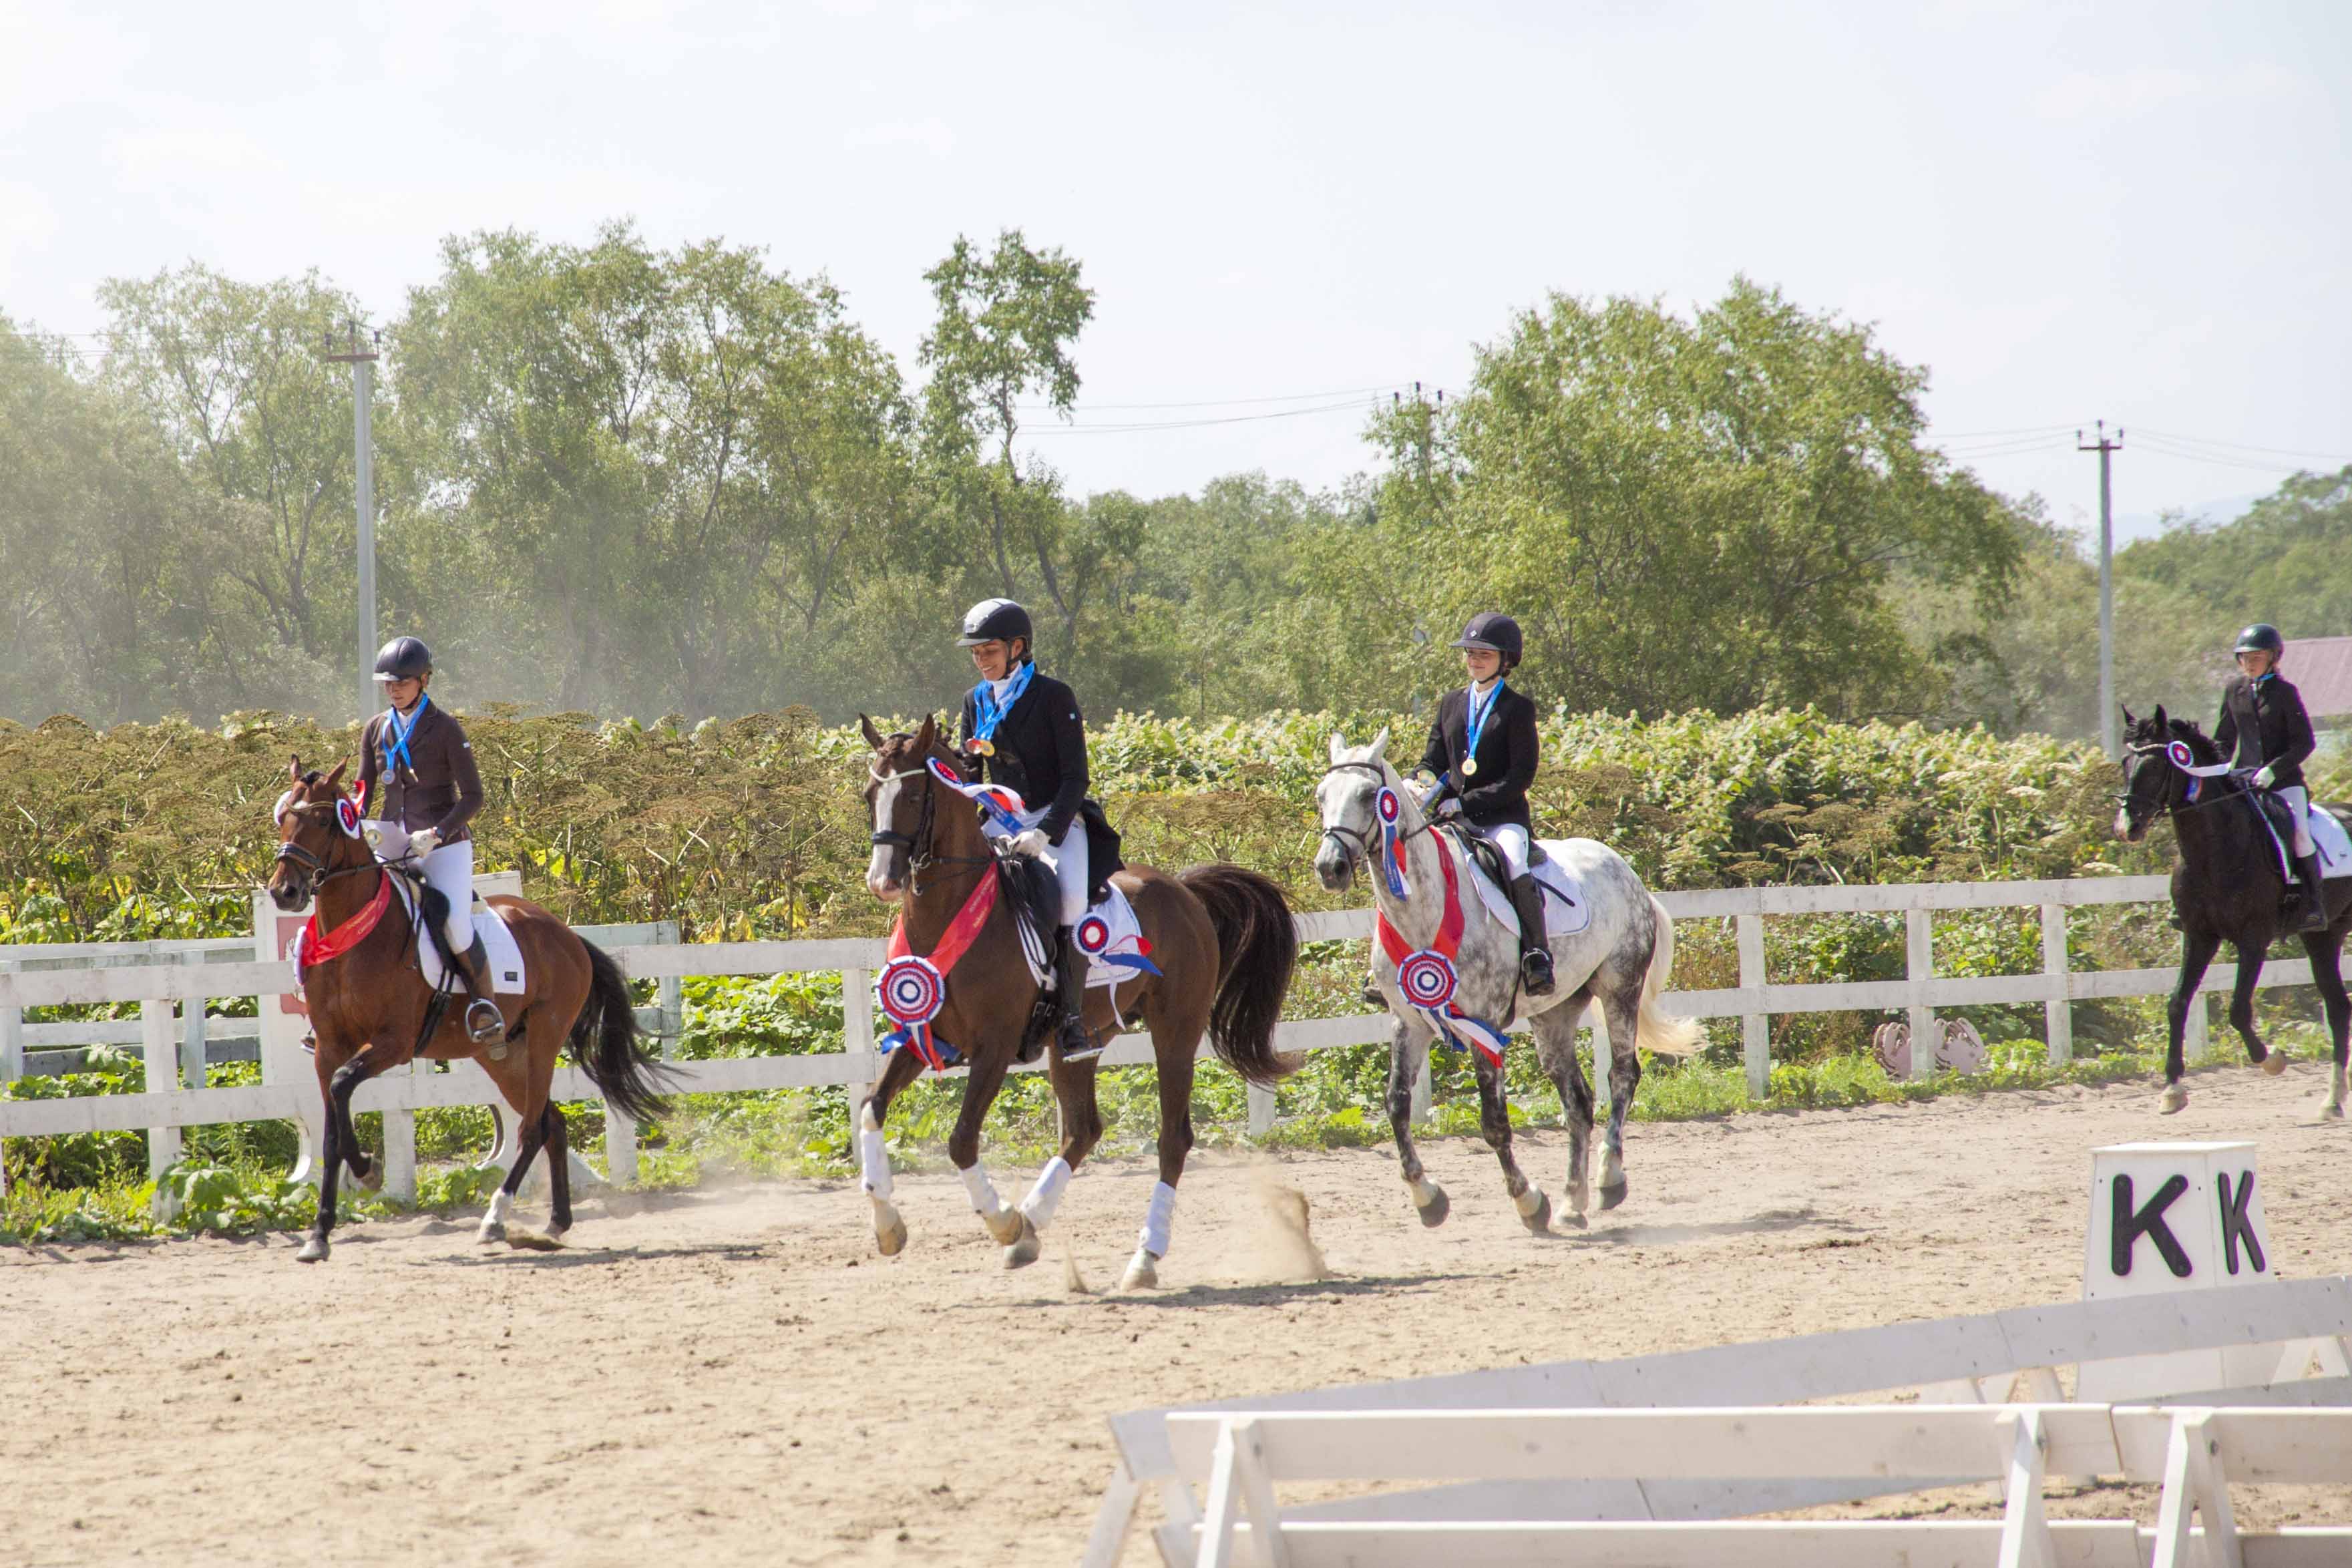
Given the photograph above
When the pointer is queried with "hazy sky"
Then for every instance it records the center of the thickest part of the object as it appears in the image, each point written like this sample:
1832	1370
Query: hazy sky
2135	211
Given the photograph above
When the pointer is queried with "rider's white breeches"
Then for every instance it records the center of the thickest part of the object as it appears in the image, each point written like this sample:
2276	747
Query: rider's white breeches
449	871
1512	840
1068	859
2298	801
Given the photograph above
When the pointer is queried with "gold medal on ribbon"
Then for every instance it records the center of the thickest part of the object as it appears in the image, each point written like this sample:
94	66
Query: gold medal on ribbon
1469	767
981	746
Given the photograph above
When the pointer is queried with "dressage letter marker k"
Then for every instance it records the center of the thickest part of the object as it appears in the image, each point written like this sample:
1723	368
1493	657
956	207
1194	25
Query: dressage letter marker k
2130	1225
2235	1226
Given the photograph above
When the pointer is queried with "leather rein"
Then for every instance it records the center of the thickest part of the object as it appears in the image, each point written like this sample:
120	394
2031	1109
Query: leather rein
1355	843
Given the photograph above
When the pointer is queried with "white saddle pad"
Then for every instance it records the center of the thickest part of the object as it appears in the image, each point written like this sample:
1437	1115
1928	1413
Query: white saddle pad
1110	936
2335	844
1565	912
498	940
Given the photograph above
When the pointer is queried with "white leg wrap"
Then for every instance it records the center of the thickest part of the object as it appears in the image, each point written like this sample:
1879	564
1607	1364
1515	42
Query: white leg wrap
501	1205
1528	1201
1158	1219
1046	1195
873	1156
984	1201
1424	1192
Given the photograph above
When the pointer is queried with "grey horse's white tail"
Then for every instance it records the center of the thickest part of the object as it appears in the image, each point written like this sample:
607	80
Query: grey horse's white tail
1658	1034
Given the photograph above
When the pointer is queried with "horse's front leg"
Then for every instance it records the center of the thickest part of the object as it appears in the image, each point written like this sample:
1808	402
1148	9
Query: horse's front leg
2328	974
874	1154
1408	1050
1494	1122
2242	1009
980	1087
338	1086
2197	950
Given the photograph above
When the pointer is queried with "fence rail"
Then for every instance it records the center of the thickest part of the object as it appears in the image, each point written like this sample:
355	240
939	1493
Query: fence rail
173	980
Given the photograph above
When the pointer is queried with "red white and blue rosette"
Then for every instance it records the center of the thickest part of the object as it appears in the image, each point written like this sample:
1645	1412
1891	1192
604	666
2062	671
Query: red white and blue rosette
1390	810
1428	980
913	991
347	816
1093	939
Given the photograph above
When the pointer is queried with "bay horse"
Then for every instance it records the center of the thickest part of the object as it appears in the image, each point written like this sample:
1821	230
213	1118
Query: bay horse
369	1004
2227	887
1623	957
1221	937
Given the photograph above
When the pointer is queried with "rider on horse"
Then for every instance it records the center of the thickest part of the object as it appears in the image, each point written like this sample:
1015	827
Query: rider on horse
1024	727
2262	719
419	753
1484	749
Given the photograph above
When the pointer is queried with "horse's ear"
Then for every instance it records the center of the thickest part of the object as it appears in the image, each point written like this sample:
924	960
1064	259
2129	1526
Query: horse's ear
1380	745
294	770
929	735
1338	746
2161	722
335	779
872	735
2130	723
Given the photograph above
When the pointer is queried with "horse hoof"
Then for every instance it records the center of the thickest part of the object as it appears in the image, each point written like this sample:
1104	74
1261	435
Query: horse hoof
1612	1197
1539	1220
312	1250
1024	1251
1579	1198
374	1178
2176	1098
2273	1063
2332	1110
492	1230
1432	1213
1141	1273
891	1237
1003	1226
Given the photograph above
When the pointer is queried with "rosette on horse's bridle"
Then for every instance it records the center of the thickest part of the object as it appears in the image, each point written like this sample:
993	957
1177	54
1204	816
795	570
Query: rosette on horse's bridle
1427	975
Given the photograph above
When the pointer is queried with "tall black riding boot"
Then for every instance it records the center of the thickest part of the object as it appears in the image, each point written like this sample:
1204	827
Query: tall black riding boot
485	1025
1535	955
2315	893
1070	965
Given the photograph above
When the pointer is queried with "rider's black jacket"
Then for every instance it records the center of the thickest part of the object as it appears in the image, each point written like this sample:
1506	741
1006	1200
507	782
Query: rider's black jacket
2265	721
1041	755
1497	792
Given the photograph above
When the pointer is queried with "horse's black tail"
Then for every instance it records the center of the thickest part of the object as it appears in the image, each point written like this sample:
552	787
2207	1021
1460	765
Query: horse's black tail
1257	946
605	1043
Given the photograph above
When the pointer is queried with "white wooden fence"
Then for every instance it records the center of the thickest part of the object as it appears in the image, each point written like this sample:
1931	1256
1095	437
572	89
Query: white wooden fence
2194	1453
173	981
1992	1358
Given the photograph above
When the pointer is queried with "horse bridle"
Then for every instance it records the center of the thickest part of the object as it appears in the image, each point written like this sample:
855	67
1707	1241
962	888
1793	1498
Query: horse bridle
917	844
1355	845
314	869
2202	771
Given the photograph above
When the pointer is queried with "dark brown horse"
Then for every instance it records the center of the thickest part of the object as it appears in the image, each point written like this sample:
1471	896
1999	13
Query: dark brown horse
1223	940
369	1007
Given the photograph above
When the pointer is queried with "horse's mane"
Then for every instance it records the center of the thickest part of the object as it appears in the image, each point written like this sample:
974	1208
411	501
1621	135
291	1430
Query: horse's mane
2160	727
2206	751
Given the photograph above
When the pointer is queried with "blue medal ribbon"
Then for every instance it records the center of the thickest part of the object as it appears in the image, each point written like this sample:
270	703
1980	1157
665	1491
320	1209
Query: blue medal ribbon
1475	723
987	712
395	751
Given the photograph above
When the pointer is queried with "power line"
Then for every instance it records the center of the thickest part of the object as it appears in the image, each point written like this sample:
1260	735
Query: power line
1226	402
2241	447
1144	426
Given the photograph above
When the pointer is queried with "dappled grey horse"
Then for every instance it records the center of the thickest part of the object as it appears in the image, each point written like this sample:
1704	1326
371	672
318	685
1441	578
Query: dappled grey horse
1621	959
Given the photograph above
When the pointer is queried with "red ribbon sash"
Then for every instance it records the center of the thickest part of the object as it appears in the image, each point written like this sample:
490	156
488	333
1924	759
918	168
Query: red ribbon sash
962	931
1448	940
316	949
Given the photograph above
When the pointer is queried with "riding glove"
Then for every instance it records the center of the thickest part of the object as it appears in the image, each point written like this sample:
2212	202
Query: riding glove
420	845
2263	779
1031	842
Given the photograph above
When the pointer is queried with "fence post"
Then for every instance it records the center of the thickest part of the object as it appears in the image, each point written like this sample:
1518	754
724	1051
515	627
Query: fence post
858	1038
1423	1086
1755	1024
192	1043
1919	967
669	992
1601	1053
155	1044
400	1146
12	1061
1261	1111
2058	1014
620	1145
2196	1037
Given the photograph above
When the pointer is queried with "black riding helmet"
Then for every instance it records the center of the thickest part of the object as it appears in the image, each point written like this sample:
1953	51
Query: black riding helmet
403	659
1496	633
2262	638
997	620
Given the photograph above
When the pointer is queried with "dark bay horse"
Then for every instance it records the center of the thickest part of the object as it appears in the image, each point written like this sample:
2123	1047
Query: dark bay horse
2227	887
369	1002
1221	937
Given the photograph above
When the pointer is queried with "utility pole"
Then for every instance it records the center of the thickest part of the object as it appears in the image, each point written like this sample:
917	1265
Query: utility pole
362	363
2110	722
